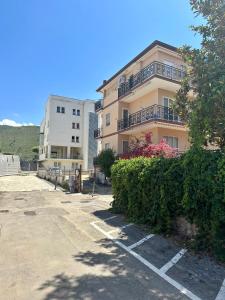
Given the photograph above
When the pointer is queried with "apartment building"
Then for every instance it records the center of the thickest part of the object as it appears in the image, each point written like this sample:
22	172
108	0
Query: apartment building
67	134
138	99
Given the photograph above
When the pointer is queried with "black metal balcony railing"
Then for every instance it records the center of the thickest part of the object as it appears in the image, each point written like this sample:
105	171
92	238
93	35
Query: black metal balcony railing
98	105
154	112
155	68
97	133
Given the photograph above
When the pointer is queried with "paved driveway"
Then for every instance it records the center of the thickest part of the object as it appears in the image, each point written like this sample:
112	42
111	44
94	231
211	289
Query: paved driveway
24	183
62	246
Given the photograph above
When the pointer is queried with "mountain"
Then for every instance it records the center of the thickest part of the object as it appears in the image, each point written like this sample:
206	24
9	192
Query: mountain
19	140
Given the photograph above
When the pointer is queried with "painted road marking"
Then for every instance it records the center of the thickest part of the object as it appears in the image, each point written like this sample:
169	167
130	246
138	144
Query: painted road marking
173	261
120	228
174	283
140	242
221	294
107	219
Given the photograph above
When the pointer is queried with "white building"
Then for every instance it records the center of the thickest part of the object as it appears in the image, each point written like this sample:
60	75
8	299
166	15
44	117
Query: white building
67	134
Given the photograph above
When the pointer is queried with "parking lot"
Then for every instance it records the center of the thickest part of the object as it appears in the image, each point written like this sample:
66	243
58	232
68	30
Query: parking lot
69	246
198	278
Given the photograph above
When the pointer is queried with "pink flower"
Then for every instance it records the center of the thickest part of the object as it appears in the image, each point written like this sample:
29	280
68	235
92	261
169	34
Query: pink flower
147	149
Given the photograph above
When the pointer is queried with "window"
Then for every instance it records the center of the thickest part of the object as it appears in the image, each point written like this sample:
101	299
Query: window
168	102
168	109
125	146
107	146
73	139
77	139
75	125
60	109
57	164
107	119
172	141
76	112
125	117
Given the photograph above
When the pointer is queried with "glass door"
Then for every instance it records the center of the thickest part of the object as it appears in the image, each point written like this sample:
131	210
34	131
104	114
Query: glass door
125	118
168	111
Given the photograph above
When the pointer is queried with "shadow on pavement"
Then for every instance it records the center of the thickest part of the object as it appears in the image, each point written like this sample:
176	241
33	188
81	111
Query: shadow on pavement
111	275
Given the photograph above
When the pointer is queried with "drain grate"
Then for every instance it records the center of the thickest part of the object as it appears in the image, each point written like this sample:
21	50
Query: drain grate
4	211
64	202
30	213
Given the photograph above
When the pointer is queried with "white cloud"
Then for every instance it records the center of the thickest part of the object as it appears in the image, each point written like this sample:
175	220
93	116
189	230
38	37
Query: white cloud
14	124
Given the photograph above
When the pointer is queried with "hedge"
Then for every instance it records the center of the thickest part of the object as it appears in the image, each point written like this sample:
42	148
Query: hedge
155	191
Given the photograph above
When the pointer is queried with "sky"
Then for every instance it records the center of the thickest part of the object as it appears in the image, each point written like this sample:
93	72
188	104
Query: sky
68	47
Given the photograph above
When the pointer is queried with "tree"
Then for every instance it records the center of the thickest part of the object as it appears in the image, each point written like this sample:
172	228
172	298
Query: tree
205	114
105	160
145	147
35	150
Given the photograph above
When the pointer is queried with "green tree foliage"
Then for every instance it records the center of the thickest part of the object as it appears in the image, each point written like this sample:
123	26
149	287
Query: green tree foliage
35	150
105	160
19	140
205	115
148	190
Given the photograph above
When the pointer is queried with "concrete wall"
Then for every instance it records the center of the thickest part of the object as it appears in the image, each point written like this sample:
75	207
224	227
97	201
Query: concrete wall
9	165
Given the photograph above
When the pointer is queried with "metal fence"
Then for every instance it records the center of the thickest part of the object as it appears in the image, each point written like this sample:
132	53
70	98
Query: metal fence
69	179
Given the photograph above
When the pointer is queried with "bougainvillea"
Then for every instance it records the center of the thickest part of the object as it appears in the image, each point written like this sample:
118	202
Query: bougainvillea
145	147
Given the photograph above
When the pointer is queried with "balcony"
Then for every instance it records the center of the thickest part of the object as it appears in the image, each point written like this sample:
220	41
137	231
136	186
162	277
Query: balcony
59	156
151	113
97	133
154	69
98	105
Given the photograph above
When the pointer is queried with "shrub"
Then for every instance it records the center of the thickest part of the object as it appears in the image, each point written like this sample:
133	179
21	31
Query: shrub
148	190
105	160
65	185
218	212
155	191
200	168
145	148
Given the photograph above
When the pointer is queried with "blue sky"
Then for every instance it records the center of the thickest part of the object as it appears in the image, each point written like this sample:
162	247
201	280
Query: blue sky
67	47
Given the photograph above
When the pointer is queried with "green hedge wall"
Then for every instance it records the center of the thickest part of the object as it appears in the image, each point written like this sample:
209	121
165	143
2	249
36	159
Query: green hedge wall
155	191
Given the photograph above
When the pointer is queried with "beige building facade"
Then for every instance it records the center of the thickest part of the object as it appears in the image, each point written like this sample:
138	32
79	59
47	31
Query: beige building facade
138	99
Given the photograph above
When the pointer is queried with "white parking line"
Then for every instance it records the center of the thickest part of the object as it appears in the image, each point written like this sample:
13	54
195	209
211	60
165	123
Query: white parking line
119	228
174	283
110	218
221	294
173	261
140	242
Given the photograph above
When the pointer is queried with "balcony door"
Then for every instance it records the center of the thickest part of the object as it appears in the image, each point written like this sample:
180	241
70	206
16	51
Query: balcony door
125	147
168	111
125	117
